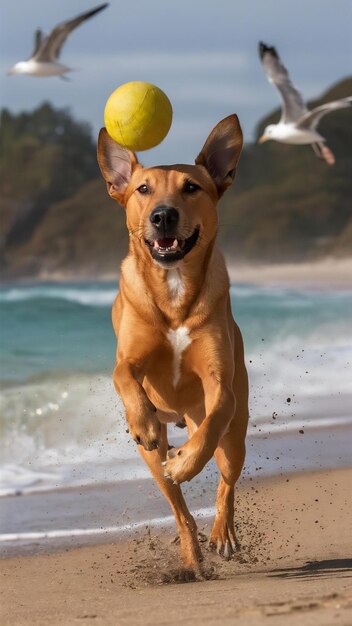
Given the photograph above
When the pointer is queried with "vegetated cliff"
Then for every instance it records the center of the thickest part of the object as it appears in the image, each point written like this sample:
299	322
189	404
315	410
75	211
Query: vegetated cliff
57	218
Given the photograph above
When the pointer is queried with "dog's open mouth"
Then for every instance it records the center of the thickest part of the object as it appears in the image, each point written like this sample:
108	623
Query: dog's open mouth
170	249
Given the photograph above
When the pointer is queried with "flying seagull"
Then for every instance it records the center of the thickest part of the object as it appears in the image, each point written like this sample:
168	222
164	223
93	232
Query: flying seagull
44	60
297	125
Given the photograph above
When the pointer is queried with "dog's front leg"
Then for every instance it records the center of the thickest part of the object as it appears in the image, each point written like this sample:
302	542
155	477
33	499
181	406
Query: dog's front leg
141	416
186	462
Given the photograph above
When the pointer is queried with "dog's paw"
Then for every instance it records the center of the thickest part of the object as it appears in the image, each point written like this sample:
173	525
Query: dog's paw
224	549
146	432
223	541
182	464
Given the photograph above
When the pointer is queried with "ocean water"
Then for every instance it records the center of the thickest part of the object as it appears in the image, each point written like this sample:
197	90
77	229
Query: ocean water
62	424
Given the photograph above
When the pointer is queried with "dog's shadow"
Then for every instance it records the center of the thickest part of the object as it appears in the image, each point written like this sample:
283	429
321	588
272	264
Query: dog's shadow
316	569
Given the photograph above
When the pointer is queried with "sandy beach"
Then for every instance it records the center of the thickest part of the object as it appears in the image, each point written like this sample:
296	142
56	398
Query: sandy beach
293	565
329	273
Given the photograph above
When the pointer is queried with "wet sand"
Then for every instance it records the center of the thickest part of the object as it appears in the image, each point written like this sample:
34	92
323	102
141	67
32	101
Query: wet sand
40	520
294	566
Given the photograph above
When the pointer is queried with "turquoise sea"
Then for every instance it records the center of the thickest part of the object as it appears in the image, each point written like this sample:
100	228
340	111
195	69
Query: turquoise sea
61	423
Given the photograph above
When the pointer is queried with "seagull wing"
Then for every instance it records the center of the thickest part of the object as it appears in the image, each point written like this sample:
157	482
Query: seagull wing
293	104
51	46
39	37
312	118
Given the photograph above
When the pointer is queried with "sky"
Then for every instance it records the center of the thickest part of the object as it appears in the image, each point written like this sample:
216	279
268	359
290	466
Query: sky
202	54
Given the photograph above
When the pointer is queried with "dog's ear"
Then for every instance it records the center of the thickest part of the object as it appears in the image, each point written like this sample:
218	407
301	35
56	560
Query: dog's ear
221	152
116	164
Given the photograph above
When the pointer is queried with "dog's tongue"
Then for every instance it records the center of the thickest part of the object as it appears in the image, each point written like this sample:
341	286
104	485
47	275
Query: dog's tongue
165	243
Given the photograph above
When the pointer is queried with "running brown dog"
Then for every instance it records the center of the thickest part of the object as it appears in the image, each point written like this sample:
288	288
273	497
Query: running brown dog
180	353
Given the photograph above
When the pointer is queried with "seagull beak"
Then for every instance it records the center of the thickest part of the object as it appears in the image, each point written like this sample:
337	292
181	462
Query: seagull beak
10	72
263	138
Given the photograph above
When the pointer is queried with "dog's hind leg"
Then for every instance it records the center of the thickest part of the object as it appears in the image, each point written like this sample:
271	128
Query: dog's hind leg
186	526
229	456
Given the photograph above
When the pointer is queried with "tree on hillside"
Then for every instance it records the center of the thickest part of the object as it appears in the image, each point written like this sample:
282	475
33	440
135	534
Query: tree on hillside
45	156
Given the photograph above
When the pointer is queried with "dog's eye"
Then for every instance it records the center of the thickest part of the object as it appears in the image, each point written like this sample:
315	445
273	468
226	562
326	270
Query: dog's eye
143	189
190	187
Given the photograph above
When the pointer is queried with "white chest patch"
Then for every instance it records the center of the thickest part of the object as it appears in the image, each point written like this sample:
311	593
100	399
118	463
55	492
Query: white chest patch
175	284
179	340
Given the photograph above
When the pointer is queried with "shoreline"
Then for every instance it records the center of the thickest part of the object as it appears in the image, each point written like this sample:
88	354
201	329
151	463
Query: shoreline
45	520
323	274
293	563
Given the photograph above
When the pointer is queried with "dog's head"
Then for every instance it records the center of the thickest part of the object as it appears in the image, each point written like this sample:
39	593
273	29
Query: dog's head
171	210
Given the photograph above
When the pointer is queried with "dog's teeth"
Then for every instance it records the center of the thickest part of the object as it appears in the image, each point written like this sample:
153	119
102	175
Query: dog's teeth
159	248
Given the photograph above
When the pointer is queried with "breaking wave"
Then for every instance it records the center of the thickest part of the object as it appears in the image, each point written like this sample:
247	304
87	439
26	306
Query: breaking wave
61	423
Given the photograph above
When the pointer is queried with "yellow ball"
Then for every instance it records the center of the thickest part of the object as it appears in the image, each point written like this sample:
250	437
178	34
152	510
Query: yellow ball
138	115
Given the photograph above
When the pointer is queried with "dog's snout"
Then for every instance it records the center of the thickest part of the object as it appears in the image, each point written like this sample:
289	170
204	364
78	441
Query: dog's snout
164	218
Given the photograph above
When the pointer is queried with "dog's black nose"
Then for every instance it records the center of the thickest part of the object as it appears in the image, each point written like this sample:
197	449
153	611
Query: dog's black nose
164	218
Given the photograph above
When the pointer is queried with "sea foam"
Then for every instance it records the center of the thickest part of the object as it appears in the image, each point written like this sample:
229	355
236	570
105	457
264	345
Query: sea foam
61	422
